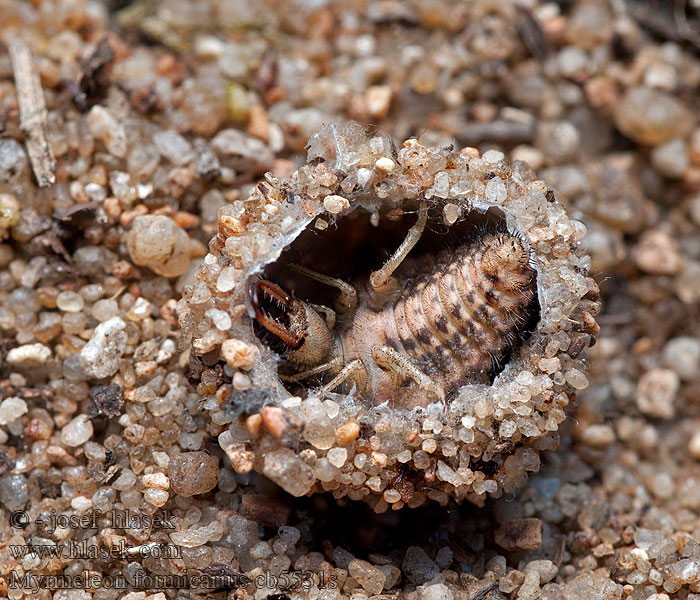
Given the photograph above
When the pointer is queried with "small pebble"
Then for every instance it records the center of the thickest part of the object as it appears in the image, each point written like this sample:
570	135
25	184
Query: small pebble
258	123
14	491
107	129
220	318
656	393
671	159
451	213
159	244
337	456
13	159
558	140
435	591
105	309
657	253
29	354
68	301
239	354
208	47
347	433
193	473
688	283
335	204
243	151
77	432
12	408
418	566
156	497
493	156
598	436
378	99
241	382
288	471
682	354
592	587
156	480
684	571
385	164
95	192
227	279
694	445
81	503
496	190
652	117
173	147
100	357
364	176
546	569
576	379
369	577
520	534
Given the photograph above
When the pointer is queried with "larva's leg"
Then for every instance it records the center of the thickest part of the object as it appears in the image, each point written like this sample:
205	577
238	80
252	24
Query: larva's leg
398	364
348	294
353	370
380	279
331	365
327	312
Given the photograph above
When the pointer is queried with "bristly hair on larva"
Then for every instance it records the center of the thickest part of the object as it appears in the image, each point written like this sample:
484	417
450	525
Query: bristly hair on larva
377	320
464	318
455	321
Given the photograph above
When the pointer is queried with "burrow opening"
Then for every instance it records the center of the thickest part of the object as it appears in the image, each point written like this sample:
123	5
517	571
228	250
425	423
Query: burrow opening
353	246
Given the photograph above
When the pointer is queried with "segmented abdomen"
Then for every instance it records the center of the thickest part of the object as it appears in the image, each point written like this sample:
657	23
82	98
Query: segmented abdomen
459	322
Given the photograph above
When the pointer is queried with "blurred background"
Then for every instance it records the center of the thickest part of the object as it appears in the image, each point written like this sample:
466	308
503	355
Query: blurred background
600	98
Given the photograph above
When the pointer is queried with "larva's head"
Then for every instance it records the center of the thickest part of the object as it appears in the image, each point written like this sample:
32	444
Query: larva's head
506	261
299	332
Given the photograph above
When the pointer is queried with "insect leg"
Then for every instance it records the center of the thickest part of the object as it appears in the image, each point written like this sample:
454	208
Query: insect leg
331	365
398	364
327	312
348	294
380	278
353	370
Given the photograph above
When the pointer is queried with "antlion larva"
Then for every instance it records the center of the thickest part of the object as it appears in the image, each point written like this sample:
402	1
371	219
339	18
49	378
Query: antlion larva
453	323
401	398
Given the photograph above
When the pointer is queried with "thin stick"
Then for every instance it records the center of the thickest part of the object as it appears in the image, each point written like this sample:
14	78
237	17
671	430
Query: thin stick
33	117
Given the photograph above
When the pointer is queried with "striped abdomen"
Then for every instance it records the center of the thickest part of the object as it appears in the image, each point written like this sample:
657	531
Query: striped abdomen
459	321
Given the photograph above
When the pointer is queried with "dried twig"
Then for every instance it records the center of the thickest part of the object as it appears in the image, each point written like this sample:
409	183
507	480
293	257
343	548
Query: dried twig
32	112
